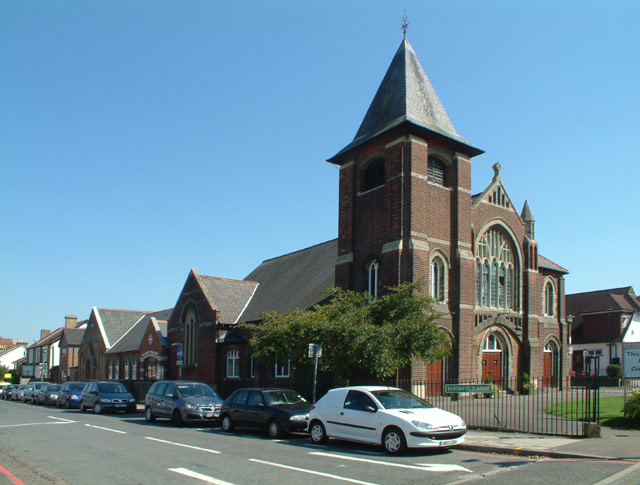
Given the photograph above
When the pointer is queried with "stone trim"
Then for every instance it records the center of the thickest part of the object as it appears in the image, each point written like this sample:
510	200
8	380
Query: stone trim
392	246
345	258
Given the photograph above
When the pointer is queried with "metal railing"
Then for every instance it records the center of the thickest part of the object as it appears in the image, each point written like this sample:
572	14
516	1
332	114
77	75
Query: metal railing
539	406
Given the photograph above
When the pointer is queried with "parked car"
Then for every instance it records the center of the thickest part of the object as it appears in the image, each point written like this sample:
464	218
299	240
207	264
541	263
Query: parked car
5	391
389	416
182	401
48	395
103	396
278	410
18	394
69	394
31	391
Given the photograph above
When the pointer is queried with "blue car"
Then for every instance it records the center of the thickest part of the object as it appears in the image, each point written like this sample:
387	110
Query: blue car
69	394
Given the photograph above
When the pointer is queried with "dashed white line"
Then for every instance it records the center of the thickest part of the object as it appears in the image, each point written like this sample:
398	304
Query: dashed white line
106	429
182	445
311	472
205	478
430	467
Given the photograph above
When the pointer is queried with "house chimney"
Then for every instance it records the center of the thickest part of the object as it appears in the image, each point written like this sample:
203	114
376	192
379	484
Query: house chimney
70	321
44	333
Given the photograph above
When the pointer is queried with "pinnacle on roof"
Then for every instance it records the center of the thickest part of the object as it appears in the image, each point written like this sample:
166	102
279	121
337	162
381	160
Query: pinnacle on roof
527	214
406	95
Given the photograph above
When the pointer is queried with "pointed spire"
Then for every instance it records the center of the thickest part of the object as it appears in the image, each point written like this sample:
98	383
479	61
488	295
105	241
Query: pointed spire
406	95
529	220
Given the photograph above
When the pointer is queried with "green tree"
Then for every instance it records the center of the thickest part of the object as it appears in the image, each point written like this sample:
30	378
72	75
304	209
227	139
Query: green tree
355	330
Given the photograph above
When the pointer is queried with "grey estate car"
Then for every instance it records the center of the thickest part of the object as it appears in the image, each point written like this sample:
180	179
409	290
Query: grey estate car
182	401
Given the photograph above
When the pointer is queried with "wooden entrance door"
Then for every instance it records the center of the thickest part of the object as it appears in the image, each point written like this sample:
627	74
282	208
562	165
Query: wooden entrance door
435	378
492	366
548	369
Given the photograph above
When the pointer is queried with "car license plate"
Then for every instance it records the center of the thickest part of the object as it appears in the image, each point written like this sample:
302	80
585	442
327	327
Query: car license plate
121	405
449	443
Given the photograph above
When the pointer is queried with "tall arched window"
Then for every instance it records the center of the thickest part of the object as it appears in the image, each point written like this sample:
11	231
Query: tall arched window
372	175
497	279
549	299
373	270
190	336
438	279
436	171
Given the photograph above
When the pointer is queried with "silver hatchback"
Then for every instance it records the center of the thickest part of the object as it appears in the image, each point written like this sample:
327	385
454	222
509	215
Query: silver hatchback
182	401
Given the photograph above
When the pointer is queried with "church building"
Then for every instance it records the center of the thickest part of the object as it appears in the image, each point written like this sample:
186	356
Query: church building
406	213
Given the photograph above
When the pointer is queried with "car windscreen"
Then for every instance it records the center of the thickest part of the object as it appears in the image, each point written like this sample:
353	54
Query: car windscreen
112	388
52	388
399	399
75	387
196	390
283	397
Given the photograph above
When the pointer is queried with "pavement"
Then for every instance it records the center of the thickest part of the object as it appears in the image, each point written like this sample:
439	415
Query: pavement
614	444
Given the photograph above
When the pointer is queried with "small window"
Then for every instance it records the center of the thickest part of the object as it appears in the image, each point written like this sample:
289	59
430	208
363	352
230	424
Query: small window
436	171
492	344
372	175
233	364
372	278
437	279
549	297
282	370
357	401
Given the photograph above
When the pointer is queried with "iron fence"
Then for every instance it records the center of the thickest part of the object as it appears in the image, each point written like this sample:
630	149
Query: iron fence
538	406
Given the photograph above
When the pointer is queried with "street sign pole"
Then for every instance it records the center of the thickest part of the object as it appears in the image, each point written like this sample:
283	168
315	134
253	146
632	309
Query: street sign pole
315	351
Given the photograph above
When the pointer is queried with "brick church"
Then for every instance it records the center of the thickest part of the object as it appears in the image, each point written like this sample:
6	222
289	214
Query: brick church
406	213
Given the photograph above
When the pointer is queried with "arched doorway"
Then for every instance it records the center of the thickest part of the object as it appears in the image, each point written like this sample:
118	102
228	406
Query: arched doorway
550	364
492	359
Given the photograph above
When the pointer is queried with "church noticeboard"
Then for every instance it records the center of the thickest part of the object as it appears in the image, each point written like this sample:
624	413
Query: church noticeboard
631	360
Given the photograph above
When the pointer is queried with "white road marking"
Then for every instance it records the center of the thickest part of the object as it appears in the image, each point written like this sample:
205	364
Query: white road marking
199	476
311	472
431	467
182	445
62	419
106	429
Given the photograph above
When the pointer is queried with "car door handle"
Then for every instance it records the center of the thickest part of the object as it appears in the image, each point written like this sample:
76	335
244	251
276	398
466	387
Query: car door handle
341	413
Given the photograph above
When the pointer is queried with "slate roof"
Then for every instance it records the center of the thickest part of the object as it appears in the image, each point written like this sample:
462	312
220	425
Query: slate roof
614	299
73	336
52	337
130	341
117	322
406	95
550	265
228	296
294	280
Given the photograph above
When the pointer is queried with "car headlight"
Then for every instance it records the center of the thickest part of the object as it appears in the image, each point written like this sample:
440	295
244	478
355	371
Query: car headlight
422	425
105	400
299	417
132	400
190	406
74	396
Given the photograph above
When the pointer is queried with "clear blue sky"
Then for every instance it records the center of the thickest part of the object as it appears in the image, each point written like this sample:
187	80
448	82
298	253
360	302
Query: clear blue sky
140	138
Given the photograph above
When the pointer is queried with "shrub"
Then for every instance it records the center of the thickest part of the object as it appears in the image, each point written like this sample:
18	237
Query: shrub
614	371
632	406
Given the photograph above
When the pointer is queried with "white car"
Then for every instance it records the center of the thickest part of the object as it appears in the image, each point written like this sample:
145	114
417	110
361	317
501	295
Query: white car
389	416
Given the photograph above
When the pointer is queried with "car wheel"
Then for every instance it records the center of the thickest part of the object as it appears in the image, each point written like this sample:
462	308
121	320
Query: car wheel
318	433
275	429
227	424
97	408
394	442
177	417
148	415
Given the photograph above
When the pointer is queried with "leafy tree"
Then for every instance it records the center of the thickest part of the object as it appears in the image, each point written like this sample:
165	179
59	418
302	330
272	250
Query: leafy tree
355	330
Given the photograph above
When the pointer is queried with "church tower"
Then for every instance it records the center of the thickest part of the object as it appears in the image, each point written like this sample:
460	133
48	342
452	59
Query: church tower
405	198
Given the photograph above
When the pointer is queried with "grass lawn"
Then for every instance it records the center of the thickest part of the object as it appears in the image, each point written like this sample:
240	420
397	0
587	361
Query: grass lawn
610	412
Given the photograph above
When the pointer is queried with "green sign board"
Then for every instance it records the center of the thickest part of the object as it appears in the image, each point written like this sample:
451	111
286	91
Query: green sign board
458	388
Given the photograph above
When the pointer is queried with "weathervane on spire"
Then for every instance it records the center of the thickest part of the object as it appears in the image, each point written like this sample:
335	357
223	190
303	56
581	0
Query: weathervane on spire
405	23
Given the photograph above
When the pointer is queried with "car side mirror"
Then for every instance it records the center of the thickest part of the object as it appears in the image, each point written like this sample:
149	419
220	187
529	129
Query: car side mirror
370	409
260	405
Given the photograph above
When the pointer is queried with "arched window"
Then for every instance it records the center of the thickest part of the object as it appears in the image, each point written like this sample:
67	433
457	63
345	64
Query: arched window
372	175
190	336
492	344
496	271
116	370
549	299
436	171
438	279
134	370
110	370
373	270
233	364
127	369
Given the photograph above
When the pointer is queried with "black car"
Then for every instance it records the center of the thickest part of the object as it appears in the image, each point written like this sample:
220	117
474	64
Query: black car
277	410
69	394
5	391
104	396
